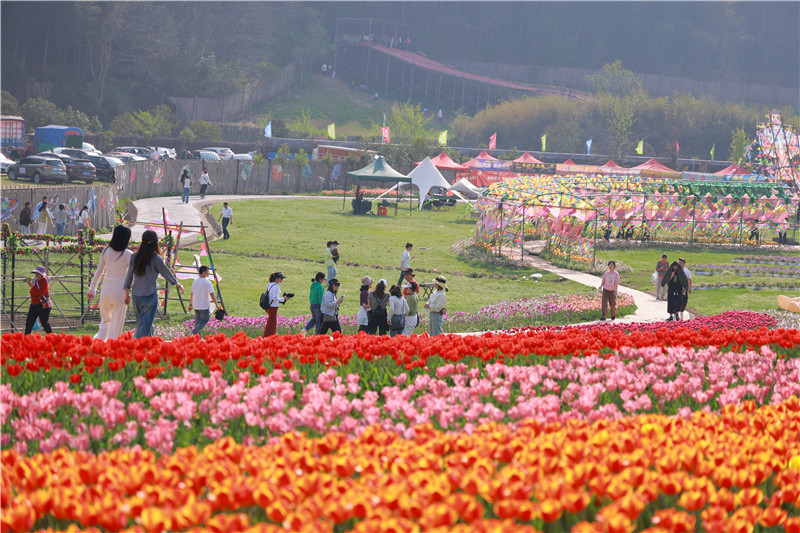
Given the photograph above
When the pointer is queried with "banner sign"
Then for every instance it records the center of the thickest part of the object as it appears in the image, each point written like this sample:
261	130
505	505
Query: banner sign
534	168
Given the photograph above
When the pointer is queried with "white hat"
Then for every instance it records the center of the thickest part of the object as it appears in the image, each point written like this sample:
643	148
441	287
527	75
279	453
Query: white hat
382	281
408	286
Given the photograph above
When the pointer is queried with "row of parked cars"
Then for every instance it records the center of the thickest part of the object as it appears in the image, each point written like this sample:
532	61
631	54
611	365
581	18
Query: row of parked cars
64	165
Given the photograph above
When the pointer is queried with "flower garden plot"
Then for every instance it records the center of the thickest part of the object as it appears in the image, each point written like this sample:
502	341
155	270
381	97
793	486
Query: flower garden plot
760	270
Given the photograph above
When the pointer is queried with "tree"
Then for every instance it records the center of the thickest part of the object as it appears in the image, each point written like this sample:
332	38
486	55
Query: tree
620	95
406	122
201	130
110	21
300	161
739	145
160	121
9	104
79	119
125	125
39	112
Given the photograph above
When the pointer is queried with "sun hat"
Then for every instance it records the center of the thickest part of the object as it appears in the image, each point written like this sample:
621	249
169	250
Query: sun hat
40	270
335	242
333	281
409	272
366	280
279	275
441	281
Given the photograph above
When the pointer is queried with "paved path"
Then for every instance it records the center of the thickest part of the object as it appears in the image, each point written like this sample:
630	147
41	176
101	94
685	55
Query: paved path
648	309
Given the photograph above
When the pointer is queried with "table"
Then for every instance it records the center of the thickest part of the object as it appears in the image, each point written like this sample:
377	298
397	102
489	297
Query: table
426	289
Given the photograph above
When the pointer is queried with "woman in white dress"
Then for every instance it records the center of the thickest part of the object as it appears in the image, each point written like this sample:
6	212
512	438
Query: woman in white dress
114	262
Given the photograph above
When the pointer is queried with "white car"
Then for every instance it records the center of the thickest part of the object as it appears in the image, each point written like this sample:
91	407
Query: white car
90	149
243	157
223	153
5	162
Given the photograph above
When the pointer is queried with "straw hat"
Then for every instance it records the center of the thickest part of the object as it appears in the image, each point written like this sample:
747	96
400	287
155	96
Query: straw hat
441	281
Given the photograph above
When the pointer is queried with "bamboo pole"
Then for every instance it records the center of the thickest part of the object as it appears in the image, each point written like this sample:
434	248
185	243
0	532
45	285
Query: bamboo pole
213	268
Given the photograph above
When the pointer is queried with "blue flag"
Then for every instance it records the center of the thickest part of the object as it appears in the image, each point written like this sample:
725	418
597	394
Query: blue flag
91	201
268	129
337	169
589	147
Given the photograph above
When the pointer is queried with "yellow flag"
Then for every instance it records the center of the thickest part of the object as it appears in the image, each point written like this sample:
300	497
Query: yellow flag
640	147
713	146
443	138
332	131
544	142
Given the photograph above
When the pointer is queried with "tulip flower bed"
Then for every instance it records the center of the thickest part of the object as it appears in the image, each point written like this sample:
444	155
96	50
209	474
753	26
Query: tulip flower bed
790	271
733	471
791	260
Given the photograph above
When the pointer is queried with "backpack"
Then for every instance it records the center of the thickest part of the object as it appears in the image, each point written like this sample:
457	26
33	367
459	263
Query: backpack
264	301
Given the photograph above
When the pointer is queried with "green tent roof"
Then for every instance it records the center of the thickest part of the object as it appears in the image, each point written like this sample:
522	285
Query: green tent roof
378	170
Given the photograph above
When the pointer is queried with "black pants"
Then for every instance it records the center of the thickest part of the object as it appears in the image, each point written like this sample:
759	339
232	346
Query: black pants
37	311
330	326
225	222
203	188
378	323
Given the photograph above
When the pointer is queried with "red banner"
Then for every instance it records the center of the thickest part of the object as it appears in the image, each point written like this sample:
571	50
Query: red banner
385	132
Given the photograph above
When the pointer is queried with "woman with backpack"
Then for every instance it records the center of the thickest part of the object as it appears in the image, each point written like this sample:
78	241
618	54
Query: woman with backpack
274	300
398	309
378	300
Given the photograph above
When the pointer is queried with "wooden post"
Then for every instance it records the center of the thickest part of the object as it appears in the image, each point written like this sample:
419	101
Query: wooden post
171	264
213	268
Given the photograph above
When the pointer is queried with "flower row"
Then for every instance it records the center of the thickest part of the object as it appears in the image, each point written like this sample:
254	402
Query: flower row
736	469
768	259
162	413
747	270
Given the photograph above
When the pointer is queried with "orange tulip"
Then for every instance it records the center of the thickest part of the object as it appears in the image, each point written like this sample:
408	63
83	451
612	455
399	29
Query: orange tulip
550	509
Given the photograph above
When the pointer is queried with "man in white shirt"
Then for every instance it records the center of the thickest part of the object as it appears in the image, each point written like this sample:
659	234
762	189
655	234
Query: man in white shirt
688	273
226	217
205	181
405	262
201	298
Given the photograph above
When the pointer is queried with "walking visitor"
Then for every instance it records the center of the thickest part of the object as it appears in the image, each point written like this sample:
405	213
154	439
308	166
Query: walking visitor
364	310
205	181
141	282
25	219
40	301
330	264
62	216
677	284
200	299
37	210
114	262
275	300
398	309
379	318
330	308
42	218
226	217
84	220
315	294
609	285
437	305
688	274
186	183
405	261
412	316
661	270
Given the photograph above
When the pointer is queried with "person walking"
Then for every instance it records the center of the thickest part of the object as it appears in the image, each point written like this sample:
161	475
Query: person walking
405	261
379	318
609	285
141	282
186	181
40	301
365	311
398	309
330	308
661	270
437	305
330	264
43	217
25	219
114	262
688	274
84	220
315	294
205	181
226	217
677	284
36	212
412	316
200	299
62	216
275	300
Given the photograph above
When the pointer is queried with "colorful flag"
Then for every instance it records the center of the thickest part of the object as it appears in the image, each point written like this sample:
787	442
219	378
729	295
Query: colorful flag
91	201
589	147
640	147
385	133
544	142
332	131
336	171
493	141
443	138
268	129
677	147
712	150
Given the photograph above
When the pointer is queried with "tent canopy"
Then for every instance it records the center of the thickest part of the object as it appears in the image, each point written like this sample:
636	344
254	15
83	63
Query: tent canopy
425	176
527	158
463	185
568	162
652	164
611	164
378	170
732	169
483	156
443	162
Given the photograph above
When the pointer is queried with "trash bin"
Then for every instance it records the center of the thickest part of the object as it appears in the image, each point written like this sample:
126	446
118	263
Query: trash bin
382	210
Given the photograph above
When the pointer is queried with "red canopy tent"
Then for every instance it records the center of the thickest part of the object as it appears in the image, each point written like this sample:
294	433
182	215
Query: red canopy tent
611	164
568	162
652	164
483	156
527	158
443	162
733	169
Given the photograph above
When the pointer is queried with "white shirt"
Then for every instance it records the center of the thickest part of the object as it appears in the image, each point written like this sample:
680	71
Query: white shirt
36	211
227	212
329	305
115	265
687	272
205	179
405	260
84	216
274	291
437	301
202	289
187	182
398	306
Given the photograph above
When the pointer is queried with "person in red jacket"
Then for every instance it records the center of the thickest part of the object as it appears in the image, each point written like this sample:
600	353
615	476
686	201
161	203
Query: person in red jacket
40	301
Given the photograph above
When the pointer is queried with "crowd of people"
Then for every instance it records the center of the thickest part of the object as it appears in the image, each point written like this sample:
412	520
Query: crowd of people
673	285
48	213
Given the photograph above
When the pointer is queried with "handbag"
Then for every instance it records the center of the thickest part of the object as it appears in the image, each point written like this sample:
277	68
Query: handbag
362	318
220	313
327	319
398	323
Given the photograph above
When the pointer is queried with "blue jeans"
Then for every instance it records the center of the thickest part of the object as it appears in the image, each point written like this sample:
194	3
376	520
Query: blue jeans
332	272
185	195
145	309
316	319
201	317
225	222
60	228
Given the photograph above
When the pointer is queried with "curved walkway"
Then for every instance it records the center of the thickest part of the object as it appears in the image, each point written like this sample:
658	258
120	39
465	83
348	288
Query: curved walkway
648	309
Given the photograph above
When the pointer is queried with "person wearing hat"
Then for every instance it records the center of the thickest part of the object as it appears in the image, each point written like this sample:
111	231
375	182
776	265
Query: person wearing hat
315	294
112	269
141	281
412	317
275	300
436	305
330	264
330	308
40	301
405	261
363	300
408	277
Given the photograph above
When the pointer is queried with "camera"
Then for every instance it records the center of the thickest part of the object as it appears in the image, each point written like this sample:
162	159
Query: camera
289	294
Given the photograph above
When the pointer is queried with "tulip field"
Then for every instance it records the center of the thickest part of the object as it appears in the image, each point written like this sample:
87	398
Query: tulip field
667	427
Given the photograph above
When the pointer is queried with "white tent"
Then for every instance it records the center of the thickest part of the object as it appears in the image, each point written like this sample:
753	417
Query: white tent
425	176
463	185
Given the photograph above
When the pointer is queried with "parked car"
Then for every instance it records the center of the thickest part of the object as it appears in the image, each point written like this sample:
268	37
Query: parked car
90	149
72	152
243	157
138	150
5	162
205	155
126	157
223	153
39	169
77	169
104	164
